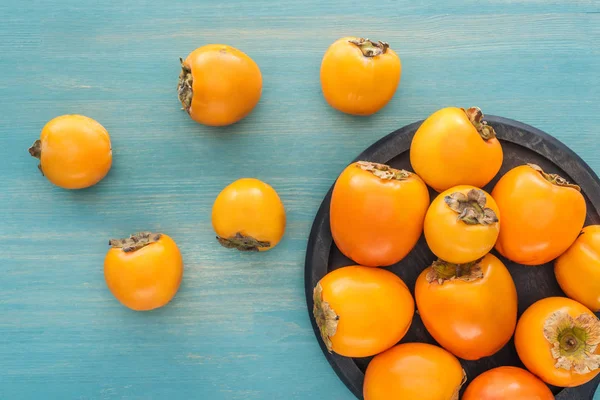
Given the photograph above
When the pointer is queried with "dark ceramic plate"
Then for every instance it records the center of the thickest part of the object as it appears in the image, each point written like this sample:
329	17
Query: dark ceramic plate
521	144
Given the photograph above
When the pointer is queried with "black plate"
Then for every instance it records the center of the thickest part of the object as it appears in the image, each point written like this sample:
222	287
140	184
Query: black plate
521	144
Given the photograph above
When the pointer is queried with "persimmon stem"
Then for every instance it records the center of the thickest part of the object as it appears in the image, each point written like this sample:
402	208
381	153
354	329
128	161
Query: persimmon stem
135	241
555	179
185	90
471	207
370	48
36	151
383	171
442	271
242	243
476	117
325	316
574	341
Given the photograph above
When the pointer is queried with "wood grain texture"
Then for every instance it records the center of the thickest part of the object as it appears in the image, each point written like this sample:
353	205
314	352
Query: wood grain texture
238	328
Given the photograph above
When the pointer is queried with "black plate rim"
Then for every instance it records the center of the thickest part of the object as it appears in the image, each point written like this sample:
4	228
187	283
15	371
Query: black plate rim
344	367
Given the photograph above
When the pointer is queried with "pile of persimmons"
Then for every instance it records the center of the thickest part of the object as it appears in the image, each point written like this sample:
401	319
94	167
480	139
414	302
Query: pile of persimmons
466	299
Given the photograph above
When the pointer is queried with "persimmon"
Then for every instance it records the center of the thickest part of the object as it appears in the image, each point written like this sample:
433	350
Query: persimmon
454	147
74	151
359	76
469	309
414	371
507	383
557	339
377	213
248	215
143	271
219	85
542	215
362	311
462	224
578	269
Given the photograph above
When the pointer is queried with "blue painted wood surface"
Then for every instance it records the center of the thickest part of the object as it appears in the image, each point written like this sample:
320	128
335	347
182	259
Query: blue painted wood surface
238	328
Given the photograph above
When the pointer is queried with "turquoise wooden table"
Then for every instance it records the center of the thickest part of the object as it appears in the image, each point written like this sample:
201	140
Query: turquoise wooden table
238	328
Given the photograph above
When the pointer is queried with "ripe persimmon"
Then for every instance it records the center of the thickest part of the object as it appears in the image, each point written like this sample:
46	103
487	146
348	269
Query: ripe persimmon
248	215
219	85
454	147
377	213
541	215
74	151
362	311
143	271
359	76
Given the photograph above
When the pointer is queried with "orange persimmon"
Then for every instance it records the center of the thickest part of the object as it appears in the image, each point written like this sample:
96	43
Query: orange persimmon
377	213
541	215
248	215
414	371
578	269
469	309
557	339
219	85
461	224
74	151
454	147
507	383
143	271
362	311
359	76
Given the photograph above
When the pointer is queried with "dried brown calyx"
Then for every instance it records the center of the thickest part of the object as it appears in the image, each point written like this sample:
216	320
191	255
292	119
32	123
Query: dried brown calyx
383	171
184	87
36	151
135	241
574	341
327	319
455	395
476	117
442	271
471	207
370	48
555	179
243	243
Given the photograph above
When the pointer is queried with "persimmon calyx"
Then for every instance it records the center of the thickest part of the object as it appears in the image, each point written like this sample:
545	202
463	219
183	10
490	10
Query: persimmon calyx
383	171
327	319
442	271
555	179
574	341
36	151
242	242
471	207
135	241
475	115
370	48
455	395
184	87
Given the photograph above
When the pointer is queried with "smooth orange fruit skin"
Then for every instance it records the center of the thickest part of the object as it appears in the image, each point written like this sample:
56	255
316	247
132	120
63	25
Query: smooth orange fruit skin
76	151
355	84
250	207
578	269
374	306
534	349
377	222
453	240
507	383
539	220
227	84
470	319
447	151
147	278
413	371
